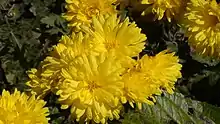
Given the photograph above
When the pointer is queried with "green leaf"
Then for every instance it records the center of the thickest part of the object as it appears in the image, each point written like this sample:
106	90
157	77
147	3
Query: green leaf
212	112
138	117
169	108
210	76
49	20
55	24
38	8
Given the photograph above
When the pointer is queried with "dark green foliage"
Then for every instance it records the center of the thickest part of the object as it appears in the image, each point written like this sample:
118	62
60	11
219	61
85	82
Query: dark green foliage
28	30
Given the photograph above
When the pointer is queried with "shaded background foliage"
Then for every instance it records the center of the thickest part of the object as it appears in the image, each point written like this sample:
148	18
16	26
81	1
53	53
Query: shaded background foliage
28	29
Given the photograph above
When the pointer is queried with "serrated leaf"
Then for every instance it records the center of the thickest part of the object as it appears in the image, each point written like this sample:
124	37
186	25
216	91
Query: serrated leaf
169	108
172	107
38	8
49	20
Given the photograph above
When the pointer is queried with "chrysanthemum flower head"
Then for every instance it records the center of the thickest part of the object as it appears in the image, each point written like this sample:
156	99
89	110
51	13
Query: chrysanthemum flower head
92	86
45	79
202	23
18	108
67	50
165	8
164	68
149	76
124	38
80	12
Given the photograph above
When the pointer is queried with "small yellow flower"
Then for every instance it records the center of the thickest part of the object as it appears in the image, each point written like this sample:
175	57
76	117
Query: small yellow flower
92	87
165	8
124	38
80	12
148	75
202	22
18	108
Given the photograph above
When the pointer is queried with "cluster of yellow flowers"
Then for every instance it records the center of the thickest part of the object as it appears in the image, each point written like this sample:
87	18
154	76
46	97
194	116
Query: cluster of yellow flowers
199	18
92	70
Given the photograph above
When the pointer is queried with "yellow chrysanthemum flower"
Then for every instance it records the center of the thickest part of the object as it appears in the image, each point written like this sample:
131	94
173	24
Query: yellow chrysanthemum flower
80	12
124	38
163	68
148	76
18	108
92	86
45	79
202	22
165	8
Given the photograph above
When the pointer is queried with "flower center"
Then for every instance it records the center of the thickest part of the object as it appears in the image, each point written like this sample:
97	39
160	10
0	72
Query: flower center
213	20
111	45
92	86
91	11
